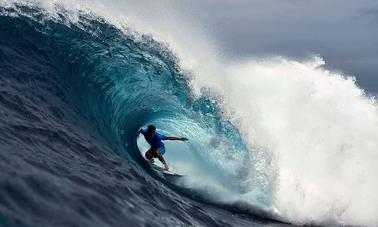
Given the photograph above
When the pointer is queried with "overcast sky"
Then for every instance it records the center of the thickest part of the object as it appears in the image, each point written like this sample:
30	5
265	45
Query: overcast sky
343	32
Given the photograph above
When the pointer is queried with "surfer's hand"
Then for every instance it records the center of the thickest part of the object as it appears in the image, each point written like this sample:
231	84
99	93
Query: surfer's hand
166	167
184	139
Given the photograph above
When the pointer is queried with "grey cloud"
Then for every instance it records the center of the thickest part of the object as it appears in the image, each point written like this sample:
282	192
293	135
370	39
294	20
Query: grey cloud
345	33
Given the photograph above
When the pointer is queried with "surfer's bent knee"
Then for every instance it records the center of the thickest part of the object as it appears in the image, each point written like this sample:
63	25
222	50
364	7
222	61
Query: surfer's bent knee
153	153
149	155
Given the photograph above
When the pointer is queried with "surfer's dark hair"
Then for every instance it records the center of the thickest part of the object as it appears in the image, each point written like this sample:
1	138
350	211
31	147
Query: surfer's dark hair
151	128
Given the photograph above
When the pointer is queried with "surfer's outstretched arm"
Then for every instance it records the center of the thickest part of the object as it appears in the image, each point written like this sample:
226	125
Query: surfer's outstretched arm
176	138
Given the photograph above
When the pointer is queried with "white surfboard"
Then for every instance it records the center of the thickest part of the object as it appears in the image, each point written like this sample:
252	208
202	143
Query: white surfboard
165	172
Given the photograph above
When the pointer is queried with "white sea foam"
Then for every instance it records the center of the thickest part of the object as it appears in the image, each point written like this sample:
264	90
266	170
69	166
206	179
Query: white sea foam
320	131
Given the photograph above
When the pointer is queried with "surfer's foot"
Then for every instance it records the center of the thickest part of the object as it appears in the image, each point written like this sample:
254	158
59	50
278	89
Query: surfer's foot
166	167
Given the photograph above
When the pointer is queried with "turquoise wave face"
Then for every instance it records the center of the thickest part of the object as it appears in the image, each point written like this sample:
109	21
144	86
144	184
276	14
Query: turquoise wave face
120	83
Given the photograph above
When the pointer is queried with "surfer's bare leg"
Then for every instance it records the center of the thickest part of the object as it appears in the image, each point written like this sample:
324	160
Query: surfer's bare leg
155	153
149	156
161	159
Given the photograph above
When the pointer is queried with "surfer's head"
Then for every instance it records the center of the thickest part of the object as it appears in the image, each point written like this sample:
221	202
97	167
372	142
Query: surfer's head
151	129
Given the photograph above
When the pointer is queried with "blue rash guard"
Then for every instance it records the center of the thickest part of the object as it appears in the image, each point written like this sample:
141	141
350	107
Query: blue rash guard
156	141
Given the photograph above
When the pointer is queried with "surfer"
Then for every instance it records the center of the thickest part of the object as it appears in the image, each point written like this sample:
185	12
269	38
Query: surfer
157	149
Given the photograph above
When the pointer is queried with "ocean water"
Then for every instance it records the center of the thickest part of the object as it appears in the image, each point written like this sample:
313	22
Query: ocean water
272	142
